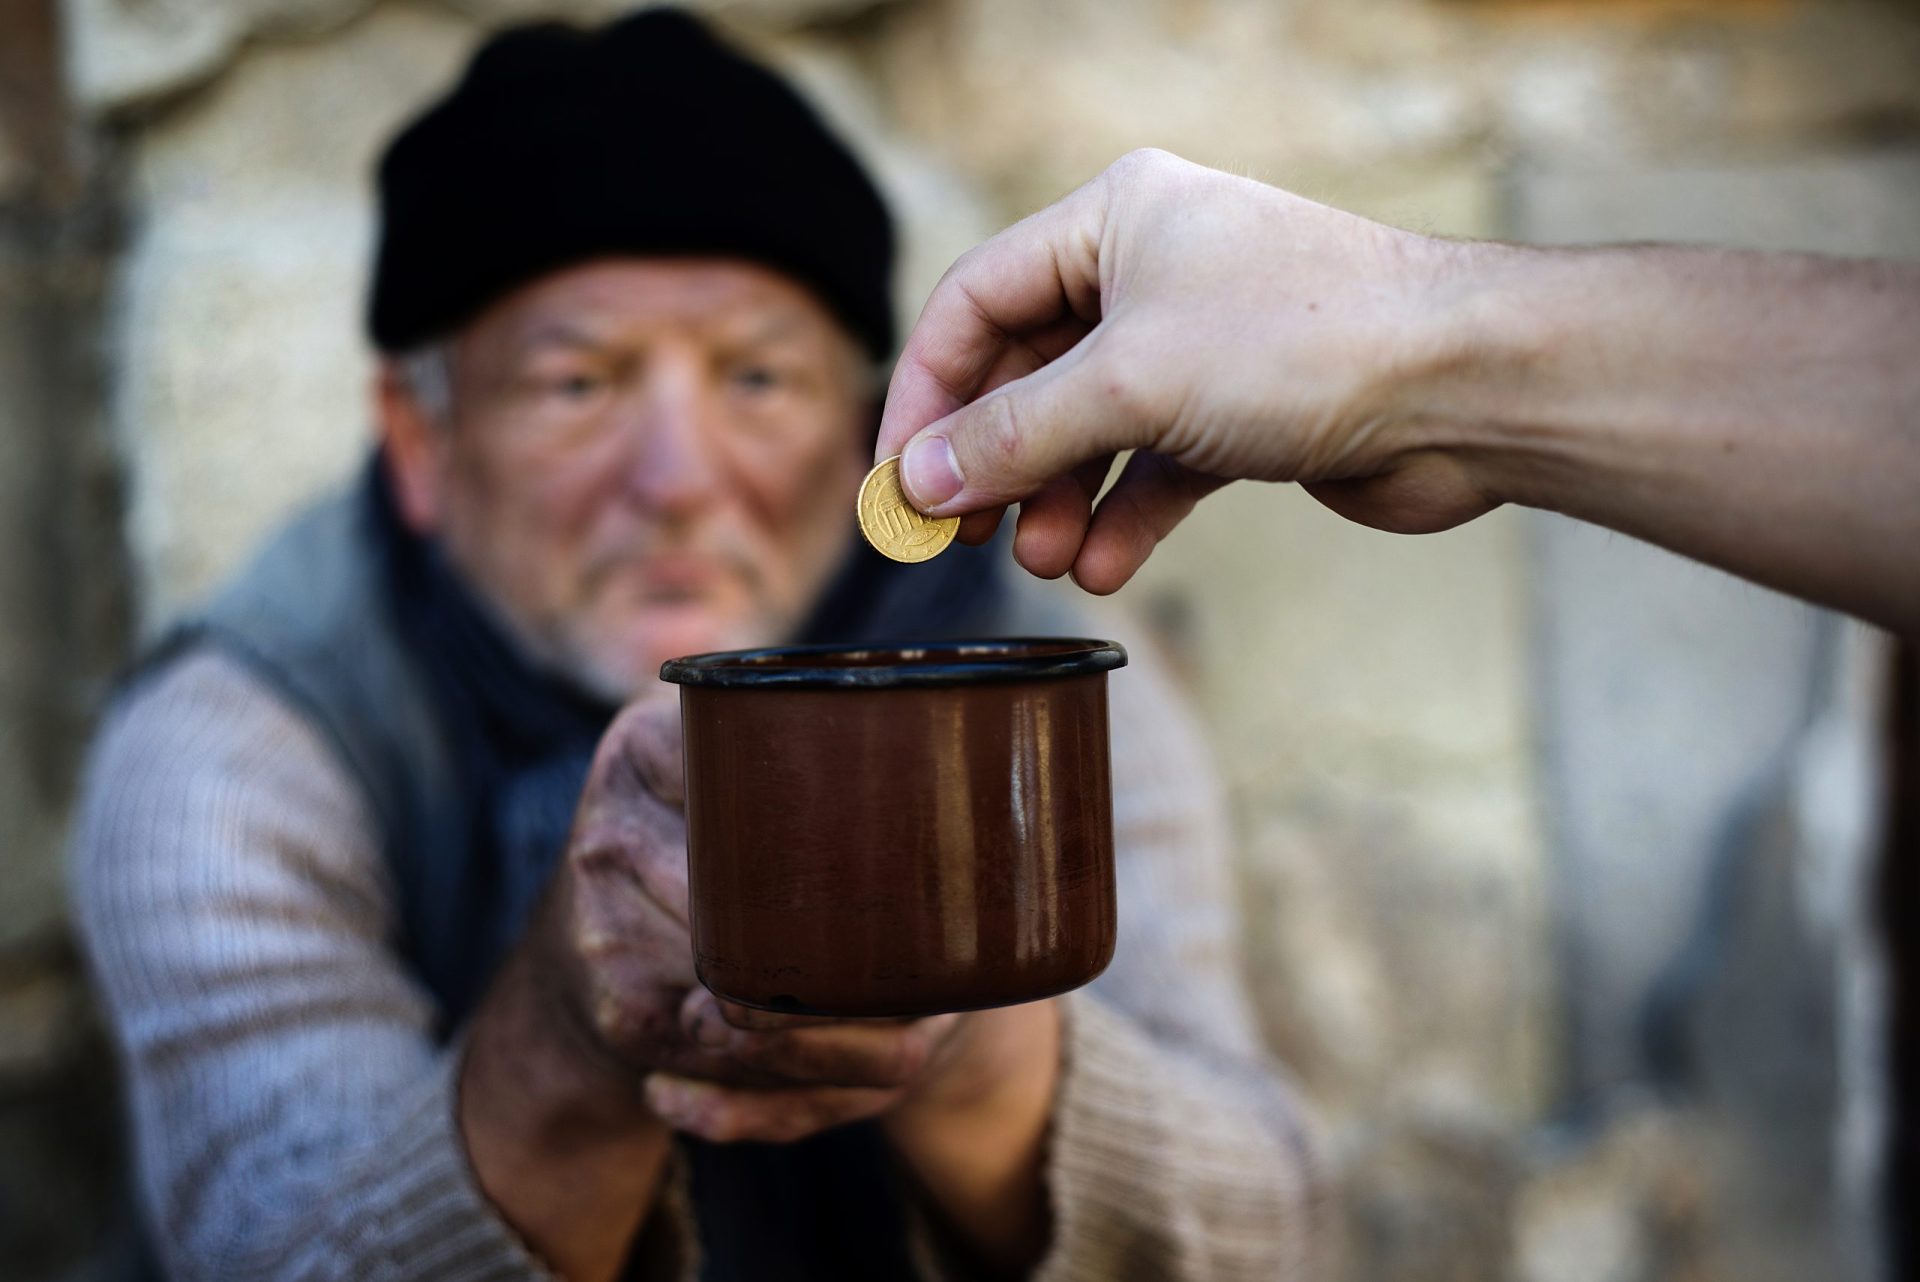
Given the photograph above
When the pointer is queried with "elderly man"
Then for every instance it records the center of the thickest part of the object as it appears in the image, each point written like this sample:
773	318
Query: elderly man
398	959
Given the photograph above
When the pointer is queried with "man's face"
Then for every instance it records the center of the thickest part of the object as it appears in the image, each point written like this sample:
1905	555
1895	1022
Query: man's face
642	458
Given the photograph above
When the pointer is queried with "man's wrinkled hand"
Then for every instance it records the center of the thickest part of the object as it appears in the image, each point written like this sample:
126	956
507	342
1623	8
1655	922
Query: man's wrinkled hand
1218	328
612	942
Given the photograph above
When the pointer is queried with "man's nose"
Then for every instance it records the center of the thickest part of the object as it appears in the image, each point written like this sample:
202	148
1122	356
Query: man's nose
673	467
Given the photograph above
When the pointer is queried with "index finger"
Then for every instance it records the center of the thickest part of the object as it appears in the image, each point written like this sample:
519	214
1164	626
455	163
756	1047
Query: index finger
1043	269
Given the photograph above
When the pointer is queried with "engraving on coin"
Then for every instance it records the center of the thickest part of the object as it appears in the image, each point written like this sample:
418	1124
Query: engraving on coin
894	526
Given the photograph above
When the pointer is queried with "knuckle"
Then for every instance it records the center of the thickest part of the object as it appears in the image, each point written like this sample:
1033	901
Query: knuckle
652	748
953	293
595	854
622	1020
614	1019
611	754
595	942
641	749
998	440
1142	163
965	265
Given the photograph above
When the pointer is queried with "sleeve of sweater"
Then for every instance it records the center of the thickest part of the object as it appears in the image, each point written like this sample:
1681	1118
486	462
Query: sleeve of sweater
293	1116
1178	1150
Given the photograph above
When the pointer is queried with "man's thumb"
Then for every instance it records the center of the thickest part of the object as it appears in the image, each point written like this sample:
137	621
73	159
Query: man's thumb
1008	444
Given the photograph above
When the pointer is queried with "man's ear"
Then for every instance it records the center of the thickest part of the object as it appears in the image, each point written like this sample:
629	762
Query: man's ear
412	448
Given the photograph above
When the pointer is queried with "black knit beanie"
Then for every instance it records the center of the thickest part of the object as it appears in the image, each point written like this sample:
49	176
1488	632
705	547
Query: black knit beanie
647	136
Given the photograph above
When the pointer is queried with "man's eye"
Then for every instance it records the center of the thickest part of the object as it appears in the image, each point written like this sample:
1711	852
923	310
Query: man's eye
576	387
757	378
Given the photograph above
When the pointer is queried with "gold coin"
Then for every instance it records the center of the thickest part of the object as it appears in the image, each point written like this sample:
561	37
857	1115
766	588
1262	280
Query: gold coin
895	527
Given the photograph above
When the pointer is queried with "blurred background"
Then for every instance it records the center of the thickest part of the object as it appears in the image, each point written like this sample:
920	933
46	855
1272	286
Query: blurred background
1572	874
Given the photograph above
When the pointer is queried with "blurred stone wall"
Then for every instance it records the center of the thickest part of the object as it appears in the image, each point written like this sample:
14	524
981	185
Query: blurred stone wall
63	625
1713	816
1393	714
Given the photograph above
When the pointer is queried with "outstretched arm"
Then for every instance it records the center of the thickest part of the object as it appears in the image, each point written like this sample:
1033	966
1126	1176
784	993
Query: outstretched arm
1760	412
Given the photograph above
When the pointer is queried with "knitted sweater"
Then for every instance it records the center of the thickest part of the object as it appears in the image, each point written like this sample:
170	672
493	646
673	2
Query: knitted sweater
294	1115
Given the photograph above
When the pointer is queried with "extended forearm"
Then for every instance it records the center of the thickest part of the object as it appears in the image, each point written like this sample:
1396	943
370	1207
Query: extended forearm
1758	412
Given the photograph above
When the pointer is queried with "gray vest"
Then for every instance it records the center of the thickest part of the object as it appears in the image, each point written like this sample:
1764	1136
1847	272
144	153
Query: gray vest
310	617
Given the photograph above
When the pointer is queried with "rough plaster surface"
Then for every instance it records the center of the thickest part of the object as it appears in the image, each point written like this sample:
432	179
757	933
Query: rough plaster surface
1709	759
1301	92
123	53
30	820
128	53
1666	686
242	380
1368	699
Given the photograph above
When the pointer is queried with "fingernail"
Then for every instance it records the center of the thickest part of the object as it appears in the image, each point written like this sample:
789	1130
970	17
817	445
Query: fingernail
929	471
709	1030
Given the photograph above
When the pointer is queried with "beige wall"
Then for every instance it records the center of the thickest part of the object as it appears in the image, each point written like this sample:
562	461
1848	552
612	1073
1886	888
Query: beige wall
1371	698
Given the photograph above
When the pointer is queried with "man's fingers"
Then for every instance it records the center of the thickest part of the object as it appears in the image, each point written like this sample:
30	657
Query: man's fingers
650	737
621	844
866	1053
1153	495
978	527
1054	522
629	826
641	754
725	1114
839	1055
1038	273
1051	525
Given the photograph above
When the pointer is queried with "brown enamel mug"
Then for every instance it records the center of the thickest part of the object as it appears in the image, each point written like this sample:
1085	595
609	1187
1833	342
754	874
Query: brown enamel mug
899	830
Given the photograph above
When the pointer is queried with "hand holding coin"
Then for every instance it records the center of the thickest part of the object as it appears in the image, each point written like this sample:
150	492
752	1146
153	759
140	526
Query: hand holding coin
894	526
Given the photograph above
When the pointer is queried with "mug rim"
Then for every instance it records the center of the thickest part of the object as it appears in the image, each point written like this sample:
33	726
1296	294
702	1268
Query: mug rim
962	661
